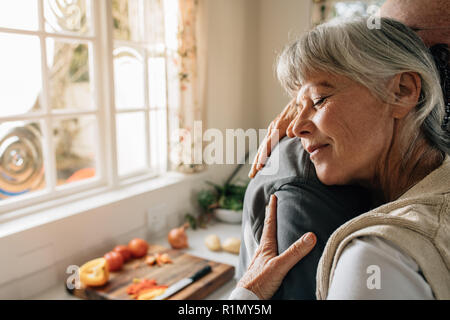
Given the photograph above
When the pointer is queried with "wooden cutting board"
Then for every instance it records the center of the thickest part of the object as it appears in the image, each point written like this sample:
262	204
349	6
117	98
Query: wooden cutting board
184	265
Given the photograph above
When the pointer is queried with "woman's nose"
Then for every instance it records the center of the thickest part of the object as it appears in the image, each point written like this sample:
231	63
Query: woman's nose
303	126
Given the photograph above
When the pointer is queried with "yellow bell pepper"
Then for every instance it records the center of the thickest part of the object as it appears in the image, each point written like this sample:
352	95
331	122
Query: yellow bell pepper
94	273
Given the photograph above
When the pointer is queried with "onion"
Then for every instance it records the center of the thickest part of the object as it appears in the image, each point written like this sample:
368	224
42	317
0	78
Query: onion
177	237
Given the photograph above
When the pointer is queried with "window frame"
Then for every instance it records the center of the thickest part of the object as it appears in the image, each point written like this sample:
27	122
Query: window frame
107	178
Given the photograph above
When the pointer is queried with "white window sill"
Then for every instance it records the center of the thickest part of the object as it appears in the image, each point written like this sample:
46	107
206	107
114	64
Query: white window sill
31	217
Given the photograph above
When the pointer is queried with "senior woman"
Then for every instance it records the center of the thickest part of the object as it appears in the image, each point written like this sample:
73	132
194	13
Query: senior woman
369	113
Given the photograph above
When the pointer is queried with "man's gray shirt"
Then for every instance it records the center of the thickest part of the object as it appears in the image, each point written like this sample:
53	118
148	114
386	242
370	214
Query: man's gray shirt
304	205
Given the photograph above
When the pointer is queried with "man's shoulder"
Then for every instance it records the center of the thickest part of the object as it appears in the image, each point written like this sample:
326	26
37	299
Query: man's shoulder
288	160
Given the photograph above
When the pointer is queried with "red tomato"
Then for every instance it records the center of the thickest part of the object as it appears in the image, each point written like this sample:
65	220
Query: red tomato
114	260
124	251
138	247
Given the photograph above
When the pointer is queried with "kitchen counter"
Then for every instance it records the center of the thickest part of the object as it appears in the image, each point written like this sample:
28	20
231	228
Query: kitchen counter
196	248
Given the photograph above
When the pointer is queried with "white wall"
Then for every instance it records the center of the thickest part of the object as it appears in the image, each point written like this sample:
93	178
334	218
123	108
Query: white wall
245	37
232	81
279	22
232	63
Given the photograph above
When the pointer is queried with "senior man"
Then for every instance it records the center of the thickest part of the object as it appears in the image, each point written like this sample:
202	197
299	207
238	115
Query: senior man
304	203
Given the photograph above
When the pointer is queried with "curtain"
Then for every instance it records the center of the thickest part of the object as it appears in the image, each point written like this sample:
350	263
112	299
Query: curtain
190	61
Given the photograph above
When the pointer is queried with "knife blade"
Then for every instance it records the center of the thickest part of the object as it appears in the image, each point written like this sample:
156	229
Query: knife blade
177	286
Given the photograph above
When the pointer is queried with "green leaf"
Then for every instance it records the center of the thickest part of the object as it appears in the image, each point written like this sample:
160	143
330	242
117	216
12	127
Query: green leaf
191	220
206	198
227	196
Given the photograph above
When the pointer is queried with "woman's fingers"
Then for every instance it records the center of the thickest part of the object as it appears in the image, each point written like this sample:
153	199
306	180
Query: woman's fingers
299	249
291	128
274	134
278	129
254	169
269	233
269	143
267	270
290	131
262	151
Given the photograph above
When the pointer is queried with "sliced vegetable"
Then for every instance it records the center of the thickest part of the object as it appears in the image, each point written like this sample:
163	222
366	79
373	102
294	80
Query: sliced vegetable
164	258
150	260
145	289
150	294
136	287
94	272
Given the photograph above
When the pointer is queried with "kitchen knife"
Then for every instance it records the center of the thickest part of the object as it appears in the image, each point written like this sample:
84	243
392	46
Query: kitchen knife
177	286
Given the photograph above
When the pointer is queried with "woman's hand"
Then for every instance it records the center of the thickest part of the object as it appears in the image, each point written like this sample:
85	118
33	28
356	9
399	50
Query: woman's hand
278	128
267	270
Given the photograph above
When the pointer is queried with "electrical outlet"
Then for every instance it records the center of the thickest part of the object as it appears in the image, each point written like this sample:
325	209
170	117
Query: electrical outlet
157	220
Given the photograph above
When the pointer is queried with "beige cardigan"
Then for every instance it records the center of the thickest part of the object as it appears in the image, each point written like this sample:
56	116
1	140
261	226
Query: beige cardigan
418	222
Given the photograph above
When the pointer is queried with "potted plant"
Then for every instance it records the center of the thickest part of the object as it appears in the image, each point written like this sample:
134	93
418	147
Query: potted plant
223	201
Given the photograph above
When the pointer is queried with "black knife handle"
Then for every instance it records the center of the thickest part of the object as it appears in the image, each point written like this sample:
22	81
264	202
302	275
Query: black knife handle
201	273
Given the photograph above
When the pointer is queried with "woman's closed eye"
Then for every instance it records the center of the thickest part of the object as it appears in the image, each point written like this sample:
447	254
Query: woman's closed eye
319	102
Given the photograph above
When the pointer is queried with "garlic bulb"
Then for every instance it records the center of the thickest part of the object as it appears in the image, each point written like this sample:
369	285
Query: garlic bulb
212	242
232	245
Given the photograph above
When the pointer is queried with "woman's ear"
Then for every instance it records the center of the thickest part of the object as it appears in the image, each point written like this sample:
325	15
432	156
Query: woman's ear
406	88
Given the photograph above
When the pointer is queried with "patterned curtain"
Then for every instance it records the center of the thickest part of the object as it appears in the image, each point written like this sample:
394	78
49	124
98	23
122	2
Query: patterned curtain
190	61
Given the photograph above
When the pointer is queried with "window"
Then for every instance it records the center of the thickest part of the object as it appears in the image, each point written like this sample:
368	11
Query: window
85	90
325	10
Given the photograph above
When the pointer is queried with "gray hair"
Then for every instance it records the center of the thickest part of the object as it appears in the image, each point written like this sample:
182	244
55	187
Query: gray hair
371	57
